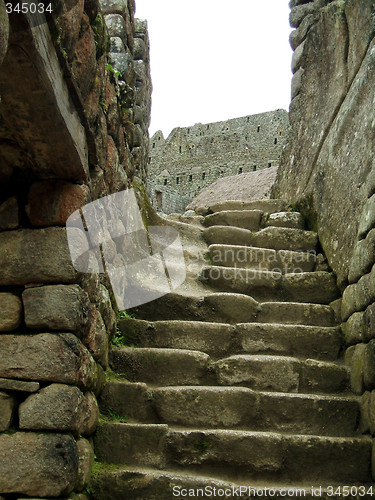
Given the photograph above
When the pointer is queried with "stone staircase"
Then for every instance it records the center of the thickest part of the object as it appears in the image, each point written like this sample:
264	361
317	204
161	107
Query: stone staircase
242	386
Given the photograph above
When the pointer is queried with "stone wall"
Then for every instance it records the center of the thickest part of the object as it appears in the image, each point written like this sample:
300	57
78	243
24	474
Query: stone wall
328	167
192	158
73	129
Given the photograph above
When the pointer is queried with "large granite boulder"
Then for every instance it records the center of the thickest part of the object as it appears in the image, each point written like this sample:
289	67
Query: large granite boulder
40	465
47	357
56	307
35	256
60	407
326	166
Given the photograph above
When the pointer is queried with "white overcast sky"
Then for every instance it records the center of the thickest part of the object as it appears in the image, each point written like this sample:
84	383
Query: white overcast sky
213	60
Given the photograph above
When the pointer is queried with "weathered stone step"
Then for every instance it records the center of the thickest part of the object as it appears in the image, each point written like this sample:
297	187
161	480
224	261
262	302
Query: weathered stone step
268	206
214	339
272	456
284	261
292	220
247	219
254	220
302	341
282	374
223	307
276	238
216	307
174	367
240	455
296	313
160	366
140	483
221	340
316	287
233	408
214	407
187	219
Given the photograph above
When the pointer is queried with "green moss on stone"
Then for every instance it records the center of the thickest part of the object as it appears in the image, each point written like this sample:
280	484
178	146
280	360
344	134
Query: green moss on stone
102	41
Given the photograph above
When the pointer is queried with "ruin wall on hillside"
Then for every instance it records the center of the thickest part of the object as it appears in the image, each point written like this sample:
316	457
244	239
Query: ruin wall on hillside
192	158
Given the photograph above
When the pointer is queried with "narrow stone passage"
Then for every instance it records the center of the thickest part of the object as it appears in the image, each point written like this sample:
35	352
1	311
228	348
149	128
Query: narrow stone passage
245	387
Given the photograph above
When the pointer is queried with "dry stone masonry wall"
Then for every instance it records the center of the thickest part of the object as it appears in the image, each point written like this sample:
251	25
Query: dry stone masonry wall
328	167
129	54
192	158
73	129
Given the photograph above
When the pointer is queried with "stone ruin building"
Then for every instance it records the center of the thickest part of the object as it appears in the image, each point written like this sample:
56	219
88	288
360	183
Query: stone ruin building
192	158
256	376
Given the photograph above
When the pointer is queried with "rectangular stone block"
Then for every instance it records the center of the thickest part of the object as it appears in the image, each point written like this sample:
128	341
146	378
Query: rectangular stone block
38	464
18	385
7	406
56	307
60	200
35	256
60	407
47	357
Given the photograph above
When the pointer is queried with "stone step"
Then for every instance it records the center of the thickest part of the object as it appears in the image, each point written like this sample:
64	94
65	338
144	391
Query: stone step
187	219
276	238
140	483
296	313
247	219
284	261
265	286
233	408
292	220
161	366
260	285
174	367
282	374
223	307
254	220
268	206
215	307
237	455
214	339
221	340
302	341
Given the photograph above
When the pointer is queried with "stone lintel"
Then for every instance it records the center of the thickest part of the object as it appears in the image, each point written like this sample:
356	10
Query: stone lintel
37	107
